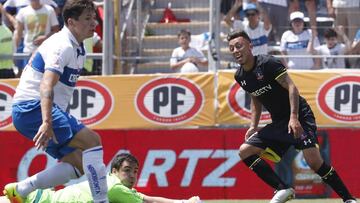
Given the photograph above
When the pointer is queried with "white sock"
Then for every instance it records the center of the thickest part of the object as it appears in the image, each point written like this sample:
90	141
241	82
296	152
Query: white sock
95	172
59	174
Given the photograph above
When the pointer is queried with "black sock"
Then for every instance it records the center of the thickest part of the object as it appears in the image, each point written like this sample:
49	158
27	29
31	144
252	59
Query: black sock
330	177
265	172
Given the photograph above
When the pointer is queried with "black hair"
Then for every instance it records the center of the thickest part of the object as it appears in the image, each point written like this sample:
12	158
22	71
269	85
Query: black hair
120	158
236	34
251	10
305	25
184	32
330	32
74	8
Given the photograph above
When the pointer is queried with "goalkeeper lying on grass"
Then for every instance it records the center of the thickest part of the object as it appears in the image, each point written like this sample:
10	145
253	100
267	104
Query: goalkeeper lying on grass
120	181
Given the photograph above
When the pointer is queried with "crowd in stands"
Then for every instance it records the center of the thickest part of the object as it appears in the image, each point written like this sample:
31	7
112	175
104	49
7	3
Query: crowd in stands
265	20
283	27
24	25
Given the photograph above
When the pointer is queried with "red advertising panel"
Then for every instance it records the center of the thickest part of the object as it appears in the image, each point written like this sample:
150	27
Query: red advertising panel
181	163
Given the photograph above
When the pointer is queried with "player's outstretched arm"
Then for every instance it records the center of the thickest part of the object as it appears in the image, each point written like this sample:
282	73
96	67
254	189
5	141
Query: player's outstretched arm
150	199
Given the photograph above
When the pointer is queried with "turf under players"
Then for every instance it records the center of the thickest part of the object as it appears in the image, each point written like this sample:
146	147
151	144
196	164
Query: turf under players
293	123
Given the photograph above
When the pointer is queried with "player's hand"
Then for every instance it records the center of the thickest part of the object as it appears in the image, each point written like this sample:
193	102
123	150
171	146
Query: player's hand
250	132
38	40
44	135
194	199
295	127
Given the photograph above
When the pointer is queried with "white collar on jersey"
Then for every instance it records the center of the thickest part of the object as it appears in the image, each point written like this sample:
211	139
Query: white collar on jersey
70	34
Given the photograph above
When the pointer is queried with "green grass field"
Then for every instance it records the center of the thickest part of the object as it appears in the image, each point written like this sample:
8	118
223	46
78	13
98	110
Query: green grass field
267	201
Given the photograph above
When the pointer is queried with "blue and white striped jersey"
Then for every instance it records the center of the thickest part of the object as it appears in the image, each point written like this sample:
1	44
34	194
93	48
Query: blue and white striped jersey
62	54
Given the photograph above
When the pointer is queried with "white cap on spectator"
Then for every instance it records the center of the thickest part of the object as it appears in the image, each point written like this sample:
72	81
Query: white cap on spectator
296	15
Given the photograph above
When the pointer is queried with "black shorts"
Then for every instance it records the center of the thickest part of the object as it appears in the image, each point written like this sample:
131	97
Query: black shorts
275	139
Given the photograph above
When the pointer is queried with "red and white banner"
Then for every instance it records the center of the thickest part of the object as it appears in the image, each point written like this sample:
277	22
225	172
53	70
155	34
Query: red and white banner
181	163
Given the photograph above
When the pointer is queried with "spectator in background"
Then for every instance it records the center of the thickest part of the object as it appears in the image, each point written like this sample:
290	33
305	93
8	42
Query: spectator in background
185	59
92	43
345	13
296	42
60	4
278	13
355	49
333	47
311	9
256	29
38	22
12	7
225	6
6	48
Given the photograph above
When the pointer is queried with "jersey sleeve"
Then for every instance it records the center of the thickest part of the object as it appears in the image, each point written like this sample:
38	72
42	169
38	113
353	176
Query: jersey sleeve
56	59
119	193
174	57
199	54
274	68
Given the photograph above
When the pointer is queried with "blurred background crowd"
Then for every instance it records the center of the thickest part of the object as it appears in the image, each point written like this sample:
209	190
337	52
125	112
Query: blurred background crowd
164	36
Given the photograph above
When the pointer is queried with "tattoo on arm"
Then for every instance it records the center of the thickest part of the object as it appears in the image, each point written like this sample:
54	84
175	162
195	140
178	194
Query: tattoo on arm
286	82
282	80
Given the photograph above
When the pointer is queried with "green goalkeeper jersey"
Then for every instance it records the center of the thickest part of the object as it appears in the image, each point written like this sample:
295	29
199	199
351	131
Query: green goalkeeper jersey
80	193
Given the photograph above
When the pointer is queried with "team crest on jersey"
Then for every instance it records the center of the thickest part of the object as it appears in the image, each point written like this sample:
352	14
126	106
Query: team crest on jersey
338	99
6	95
91	103
169	101
239	102
259	75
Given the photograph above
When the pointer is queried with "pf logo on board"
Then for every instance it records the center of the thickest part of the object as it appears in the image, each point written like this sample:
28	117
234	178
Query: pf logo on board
239	102
6	95
169	101
339	99
91	103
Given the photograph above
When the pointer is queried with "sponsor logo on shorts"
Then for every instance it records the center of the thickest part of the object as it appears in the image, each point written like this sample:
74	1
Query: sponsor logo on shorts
91	103
6	95
169	101
339	99
239	102
306	142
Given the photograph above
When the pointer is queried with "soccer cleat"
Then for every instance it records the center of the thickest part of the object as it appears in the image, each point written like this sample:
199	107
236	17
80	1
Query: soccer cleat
350	201
11	193
284	195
